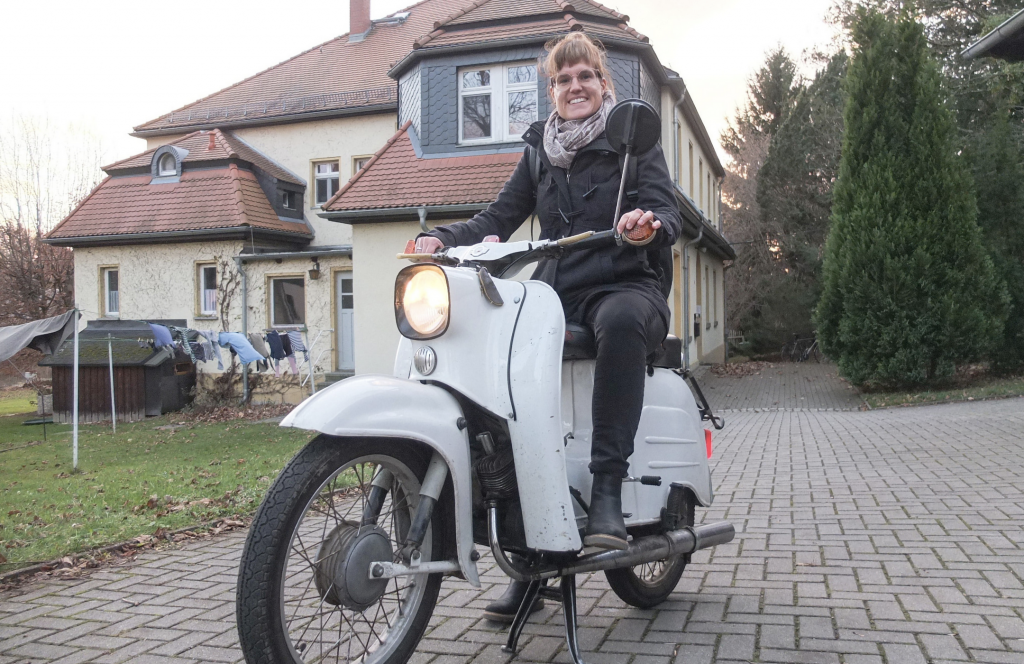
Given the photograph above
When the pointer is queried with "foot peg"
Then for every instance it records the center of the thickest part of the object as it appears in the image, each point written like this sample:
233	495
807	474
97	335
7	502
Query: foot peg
568	596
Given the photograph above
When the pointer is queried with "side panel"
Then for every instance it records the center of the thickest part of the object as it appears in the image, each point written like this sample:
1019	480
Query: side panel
388	407
537	435
669	442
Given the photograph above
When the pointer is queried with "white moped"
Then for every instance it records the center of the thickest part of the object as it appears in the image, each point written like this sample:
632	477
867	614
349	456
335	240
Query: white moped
480	438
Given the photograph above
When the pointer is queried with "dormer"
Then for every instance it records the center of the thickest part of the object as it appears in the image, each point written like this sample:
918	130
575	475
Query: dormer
166	163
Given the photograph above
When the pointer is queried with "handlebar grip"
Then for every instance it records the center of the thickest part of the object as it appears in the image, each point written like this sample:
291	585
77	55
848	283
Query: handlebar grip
416	257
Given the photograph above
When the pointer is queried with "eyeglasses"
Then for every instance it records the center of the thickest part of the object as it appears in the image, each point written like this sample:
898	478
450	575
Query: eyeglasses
585	77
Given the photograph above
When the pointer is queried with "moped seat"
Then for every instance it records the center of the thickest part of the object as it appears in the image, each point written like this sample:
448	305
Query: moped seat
579	345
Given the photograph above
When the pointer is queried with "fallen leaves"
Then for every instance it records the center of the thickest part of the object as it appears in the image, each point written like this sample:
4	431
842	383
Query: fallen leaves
740	369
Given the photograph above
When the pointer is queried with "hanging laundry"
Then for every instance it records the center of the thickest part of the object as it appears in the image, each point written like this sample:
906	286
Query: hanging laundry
211	347
276	347
182	335
286	344
161	334
197	350
240	345
291	363
295	337
257	343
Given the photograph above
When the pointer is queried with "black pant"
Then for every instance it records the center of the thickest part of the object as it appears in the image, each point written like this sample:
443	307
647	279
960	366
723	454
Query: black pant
628	327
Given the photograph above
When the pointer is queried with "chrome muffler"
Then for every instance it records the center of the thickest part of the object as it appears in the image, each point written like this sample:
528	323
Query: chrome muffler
643	550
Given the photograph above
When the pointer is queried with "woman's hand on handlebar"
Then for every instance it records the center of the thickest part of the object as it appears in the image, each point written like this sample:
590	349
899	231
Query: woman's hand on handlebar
637	218
428	245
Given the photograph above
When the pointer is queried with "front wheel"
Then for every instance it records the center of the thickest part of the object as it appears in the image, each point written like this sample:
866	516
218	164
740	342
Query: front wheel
304	594
648	585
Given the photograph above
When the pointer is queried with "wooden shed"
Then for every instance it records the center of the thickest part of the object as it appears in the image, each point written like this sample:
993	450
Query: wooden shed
147	382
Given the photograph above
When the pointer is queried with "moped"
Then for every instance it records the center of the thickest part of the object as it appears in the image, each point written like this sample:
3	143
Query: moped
481	437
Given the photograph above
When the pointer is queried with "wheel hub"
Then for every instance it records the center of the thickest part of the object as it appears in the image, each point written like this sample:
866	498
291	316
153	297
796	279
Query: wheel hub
342	574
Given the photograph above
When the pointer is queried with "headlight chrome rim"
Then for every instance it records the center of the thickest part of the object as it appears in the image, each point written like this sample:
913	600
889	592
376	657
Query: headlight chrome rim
432	283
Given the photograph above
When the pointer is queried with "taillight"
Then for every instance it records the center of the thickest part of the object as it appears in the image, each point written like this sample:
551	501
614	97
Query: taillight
707	441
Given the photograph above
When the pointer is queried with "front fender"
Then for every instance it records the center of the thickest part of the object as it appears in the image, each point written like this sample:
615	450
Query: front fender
375	406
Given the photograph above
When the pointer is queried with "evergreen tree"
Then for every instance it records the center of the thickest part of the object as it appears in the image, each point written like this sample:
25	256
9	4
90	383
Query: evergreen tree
908	289
770	95
999	177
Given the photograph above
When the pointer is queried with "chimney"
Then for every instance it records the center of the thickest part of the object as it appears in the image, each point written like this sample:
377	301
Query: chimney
212	145
358	19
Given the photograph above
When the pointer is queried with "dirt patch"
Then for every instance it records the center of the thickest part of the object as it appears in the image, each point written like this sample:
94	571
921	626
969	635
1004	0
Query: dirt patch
741	369
252	413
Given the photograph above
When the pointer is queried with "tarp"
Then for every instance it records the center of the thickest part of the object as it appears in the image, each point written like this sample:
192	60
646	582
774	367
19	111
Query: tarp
44	335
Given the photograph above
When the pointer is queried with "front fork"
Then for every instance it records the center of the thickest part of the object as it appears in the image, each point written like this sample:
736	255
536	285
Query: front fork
430	492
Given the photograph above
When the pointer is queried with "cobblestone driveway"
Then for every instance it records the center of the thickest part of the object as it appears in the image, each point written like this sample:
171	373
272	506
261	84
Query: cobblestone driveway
863	537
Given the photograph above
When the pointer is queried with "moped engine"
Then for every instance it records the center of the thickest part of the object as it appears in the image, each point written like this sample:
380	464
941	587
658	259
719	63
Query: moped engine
497	474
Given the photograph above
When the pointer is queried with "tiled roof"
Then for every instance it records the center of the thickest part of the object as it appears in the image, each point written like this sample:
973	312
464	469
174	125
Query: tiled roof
396	178
491	10
219	198
337	74
225	146
476	22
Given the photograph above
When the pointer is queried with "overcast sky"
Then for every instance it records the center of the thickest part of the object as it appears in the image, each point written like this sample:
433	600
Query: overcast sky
110	65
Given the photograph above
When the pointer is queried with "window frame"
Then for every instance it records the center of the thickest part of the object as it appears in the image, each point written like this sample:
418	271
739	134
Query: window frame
105	271
358	158
287	199
160	171
271	308
316	179
201	267
499	88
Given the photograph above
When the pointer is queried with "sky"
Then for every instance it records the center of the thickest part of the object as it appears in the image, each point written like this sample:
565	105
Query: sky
110	65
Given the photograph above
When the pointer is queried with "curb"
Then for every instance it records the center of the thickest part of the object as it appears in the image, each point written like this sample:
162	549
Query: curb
31	570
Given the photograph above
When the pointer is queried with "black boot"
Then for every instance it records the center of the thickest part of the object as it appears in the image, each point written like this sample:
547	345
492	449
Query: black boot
504	609
605	527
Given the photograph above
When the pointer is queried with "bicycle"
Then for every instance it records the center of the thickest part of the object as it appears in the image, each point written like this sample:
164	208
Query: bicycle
801	350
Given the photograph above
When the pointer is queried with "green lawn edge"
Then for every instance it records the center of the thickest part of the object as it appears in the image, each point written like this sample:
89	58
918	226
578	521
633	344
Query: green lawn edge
995	388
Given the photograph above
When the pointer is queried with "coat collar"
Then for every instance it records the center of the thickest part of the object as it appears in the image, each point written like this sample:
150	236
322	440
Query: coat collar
534	137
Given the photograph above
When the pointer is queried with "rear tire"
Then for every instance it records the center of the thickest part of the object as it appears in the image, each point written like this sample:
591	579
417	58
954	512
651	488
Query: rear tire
283	616
648	585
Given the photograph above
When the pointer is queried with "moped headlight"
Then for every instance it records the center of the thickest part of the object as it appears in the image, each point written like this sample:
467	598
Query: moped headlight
422	302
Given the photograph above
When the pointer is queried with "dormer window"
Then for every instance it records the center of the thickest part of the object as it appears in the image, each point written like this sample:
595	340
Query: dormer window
497	103
288	200
168	165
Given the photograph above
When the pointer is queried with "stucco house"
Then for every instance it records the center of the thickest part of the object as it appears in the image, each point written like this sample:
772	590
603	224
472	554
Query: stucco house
281	201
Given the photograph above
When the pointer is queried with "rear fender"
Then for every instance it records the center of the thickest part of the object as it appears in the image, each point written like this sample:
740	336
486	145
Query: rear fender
387	407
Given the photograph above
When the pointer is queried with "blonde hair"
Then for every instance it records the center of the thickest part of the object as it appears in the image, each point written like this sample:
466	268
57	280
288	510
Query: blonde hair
572	49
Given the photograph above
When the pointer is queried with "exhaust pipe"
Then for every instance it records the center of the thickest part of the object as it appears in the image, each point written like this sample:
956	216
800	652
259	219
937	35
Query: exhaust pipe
643	550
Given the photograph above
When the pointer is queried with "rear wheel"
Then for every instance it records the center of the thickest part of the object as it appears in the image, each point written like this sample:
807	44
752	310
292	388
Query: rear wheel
648	585
304	592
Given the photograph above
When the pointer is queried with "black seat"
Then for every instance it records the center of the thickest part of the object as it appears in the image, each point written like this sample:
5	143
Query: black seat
579	345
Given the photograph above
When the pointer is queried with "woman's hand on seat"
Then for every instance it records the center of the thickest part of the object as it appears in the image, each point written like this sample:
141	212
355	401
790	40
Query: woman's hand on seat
637	218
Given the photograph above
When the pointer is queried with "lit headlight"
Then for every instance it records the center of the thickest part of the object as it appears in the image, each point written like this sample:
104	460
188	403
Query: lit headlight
422	302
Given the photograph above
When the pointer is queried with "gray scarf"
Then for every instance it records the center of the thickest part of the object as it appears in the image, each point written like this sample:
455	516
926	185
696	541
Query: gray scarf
564	138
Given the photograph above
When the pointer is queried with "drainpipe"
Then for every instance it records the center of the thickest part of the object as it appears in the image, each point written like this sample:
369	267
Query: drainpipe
686	296
245	326
423	219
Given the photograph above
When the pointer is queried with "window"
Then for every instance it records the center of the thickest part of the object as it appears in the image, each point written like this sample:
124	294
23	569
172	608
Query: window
700	183
287	301
496	103
679	153
111	293
358	163
691	170
288	200
707	297
708	208
168	165
714	302
327	175
207	290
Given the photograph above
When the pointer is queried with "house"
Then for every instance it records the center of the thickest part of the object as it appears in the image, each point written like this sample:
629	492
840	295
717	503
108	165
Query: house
281	201
1005	42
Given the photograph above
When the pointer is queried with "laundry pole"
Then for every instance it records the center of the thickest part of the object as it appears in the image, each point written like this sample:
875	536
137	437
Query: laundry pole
110	362
74	401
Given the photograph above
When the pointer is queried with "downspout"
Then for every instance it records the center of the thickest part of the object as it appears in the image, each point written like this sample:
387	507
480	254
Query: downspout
423	219
725	313
686	296
245	325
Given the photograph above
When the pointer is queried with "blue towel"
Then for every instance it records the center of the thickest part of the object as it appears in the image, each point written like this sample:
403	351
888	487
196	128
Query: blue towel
246	353
161	334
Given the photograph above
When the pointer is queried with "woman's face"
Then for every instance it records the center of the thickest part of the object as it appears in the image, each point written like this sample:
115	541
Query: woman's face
577	91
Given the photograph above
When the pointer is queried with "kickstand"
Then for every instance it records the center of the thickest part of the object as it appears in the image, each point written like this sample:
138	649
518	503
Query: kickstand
569	614
522	614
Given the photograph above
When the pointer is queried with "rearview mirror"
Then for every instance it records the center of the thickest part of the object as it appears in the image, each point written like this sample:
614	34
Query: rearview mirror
633	127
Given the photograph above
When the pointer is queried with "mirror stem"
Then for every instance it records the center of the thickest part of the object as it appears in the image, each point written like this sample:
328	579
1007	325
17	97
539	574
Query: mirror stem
622	189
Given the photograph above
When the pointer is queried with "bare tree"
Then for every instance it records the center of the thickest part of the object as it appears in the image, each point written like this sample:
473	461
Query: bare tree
45	172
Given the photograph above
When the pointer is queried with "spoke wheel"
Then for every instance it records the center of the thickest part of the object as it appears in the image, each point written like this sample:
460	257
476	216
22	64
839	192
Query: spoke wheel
649	584
304	593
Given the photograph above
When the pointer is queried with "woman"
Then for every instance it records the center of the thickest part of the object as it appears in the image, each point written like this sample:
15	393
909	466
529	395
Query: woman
617	290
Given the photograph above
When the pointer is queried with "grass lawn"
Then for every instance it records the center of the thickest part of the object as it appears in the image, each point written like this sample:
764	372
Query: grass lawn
984	388
148	476
17	401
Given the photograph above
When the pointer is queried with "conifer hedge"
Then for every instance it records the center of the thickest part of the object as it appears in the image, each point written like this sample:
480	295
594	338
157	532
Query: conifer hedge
908	289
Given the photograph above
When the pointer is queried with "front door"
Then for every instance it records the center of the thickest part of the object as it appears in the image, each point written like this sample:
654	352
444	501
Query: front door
343	324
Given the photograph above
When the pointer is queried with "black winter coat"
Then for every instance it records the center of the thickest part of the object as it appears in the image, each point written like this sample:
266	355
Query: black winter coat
579	200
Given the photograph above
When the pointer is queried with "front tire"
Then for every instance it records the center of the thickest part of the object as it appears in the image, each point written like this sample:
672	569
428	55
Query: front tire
648	585
293	604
